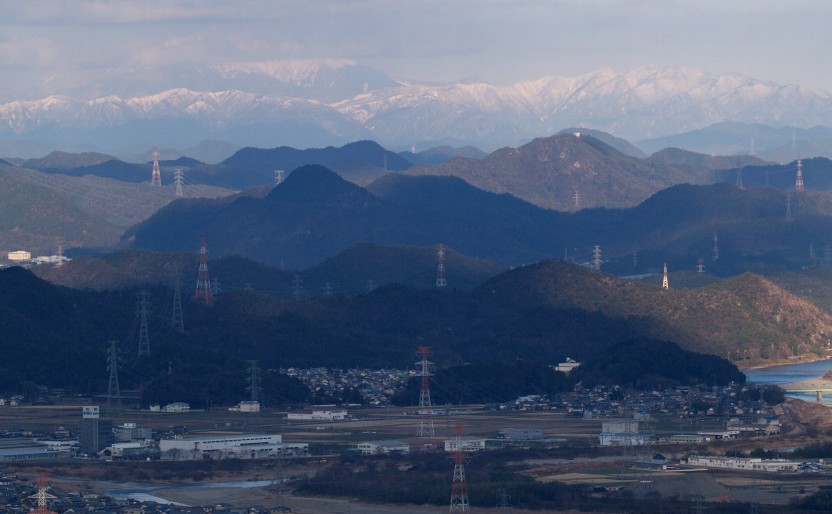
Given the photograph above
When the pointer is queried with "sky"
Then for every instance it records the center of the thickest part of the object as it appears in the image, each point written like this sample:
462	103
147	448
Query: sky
43	43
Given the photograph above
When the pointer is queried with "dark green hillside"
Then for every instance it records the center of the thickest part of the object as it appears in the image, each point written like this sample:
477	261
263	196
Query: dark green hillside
746	317
701	164
548	171
58	337
634	363
622	145
350	271
57	162
440	154
359	162
644	363
315	214
540	313
817	175
37	218
44	210
347	273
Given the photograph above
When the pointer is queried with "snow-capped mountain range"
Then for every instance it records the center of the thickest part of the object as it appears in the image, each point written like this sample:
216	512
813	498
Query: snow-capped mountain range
307	104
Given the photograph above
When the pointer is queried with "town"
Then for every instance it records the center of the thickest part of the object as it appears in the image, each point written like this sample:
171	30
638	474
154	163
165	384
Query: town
674	430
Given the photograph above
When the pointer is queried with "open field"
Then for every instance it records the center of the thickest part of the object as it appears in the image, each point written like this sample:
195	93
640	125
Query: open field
576	462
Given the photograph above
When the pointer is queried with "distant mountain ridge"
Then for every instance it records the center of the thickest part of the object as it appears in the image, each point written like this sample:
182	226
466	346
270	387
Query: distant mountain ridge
568	172
318	104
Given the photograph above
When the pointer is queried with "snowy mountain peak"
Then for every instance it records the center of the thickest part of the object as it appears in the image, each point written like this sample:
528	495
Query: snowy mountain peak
314	103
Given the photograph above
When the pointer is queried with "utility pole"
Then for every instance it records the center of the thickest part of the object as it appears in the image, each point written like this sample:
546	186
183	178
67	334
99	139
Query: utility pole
440	266
297	288
156	174
425	408
177	177
596	258
177	319
113	389
142	311
203	282
459	495
254	381
798	182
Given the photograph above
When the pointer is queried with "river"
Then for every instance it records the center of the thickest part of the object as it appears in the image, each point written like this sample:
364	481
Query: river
792	373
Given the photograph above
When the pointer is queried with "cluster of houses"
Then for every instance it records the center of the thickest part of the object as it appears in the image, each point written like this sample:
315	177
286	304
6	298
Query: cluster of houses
376	386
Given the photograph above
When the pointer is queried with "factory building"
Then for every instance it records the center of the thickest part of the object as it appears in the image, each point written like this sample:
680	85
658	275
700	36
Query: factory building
242	446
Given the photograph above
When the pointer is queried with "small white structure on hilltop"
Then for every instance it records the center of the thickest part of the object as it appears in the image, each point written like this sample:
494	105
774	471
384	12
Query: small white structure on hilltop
246	406
50	259
566	367
20	256
319	414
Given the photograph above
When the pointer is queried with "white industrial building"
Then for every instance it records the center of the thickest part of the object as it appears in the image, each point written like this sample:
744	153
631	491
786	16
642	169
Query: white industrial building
20	256
383	447
246	406
465	444
319	414
622	433
744	464
243	446
177	407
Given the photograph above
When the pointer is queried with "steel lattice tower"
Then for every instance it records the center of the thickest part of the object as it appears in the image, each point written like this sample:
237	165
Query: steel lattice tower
156	174
459	495
665	284
297	288
278	177
700	265
178	177
715	254
142	311
425	408
113	389
203	281
254	381
177	319
798	182
440	267
43	497
596	258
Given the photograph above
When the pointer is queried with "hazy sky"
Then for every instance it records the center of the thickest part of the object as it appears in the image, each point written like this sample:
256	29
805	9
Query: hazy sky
496	41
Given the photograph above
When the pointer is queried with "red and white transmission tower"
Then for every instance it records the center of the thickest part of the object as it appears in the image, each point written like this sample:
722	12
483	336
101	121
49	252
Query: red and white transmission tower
156	175
42	497
425	407
798	182
459	495
203	282
440	267
665	284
